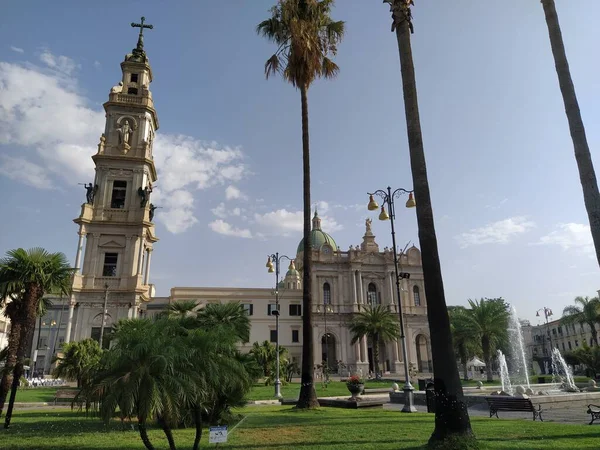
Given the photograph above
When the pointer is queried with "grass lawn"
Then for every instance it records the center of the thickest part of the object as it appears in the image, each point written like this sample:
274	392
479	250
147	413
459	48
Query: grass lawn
41	394
292	390
279	427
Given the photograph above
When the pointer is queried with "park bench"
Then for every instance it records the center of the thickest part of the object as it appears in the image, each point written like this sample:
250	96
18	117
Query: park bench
594	411
504	403
65	394
376	391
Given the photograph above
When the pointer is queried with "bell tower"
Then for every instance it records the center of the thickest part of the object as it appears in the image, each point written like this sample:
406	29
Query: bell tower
116	222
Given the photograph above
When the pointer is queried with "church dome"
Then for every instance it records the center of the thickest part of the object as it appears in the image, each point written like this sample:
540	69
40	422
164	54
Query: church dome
318	237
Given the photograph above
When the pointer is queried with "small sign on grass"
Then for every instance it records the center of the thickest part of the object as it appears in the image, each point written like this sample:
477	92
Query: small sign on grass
217	435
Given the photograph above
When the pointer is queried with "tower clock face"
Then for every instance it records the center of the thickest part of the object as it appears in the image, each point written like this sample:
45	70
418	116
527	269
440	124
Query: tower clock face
326	250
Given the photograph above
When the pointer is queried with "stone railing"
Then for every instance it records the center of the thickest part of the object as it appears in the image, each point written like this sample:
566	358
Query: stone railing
132	99
101	282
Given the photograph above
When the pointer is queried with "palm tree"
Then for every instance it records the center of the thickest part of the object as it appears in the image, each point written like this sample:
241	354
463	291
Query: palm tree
379	325
226	315
264	355
150	373
305	36
463	337
585	311
12	310
182	309
13	303
451	416
488	319
32	273
587	175
79	362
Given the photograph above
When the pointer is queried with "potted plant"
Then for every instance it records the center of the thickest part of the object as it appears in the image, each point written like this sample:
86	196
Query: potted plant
355	385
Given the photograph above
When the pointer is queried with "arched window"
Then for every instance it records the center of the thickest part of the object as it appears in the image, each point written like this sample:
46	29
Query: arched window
416	296
372	294
326	294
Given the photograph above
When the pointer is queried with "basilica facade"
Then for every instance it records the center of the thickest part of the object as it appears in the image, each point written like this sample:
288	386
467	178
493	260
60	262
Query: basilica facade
116	234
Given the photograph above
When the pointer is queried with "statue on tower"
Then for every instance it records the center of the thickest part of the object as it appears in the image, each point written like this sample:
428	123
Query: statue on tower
125	133
368	223
145	194
152	209
90	192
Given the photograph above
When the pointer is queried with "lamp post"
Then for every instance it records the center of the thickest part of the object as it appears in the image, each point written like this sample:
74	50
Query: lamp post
104	312
273	266
547	313
388	198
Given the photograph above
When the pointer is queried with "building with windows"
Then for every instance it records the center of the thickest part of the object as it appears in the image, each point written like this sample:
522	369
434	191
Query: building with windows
117	234
343	283
541	339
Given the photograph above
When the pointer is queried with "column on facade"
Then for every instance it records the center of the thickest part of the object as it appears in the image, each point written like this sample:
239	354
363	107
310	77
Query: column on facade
364	349
343	345
140	256
354	286
339	296
360	287
395	350
317	354
128	260
391	276
79	250
70	320
148	257
357	352
94	255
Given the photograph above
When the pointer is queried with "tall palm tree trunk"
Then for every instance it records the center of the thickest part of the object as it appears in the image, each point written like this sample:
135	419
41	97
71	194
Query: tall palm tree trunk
144	433
451	416
11	359
587	175
376	354
28	313
485	348
308	395
198	422
168	432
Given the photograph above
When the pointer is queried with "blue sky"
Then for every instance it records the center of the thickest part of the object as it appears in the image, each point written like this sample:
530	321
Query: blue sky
507	201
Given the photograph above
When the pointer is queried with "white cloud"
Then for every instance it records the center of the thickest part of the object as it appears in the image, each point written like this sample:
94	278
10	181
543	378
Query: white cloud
60	63
571	236
97	64
17	49
233	193
500	232
27	172
220	211
285	222
41	111
222	227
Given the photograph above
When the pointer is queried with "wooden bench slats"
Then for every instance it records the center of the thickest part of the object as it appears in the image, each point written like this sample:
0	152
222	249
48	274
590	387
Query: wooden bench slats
66	394
502	403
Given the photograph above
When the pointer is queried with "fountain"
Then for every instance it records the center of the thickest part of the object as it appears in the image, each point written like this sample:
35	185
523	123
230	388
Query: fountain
518	358
562	373
504	375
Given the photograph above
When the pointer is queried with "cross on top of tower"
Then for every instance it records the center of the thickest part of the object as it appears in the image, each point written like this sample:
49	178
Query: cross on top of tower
141	26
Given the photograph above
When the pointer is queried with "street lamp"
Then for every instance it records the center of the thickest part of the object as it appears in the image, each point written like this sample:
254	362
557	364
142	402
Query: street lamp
104	312
388	198
547	313
273	266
